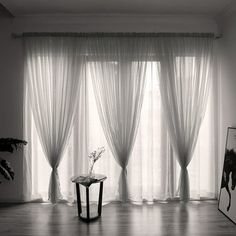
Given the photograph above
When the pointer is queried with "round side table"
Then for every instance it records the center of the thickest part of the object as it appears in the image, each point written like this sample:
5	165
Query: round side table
87	181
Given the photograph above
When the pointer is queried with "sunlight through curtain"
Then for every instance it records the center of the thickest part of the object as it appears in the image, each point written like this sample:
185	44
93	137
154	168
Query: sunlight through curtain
53	69
118	76
185	72
152	170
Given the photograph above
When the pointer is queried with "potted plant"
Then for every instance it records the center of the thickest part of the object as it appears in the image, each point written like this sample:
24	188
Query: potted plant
9	145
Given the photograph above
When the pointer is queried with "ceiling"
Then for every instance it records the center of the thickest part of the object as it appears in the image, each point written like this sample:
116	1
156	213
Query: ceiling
40	7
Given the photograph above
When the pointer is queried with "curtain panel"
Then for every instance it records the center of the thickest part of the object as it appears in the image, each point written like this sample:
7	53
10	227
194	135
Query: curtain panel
118	75
185	72
53	71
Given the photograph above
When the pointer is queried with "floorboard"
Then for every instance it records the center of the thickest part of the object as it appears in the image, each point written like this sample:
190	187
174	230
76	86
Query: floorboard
174	218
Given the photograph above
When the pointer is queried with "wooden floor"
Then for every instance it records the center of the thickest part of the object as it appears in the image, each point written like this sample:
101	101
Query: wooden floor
174	218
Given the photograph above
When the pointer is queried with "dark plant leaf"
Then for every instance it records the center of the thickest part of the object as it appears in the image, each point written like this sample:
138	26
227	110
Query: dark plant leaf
5	173
9	144
6	165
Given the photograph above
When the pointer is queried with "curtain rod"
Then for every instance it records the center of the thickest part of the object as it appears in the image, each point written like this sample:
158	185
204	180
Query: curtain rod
119	34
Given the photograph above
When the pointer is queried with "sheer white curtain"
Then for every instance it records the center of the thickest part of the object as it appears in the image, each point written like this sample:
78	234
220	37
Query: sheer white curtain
53	70
153	168
152	171
118	75
185	73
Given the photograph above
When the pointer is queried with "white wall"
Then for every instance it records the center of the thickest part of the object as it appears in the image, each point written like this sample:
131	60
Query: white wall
227	81
115	23
11	64
11	91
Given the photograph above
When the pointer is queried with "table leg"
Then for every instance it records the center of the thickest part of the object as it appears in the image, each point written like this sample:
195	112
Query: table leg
87	202
78	199
100	199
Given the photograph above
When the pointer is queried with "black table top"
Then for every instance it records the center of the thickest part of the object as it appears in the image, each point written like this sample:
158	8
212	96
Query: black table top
87	180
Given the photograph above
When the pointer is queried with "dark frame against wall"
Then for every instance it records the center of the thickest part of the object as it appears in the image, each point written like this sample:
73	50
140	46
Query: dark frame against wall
227	199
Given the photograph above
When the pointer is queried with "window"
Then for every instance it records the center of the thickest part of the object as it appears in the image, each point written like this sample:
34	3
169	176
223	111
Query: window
152	170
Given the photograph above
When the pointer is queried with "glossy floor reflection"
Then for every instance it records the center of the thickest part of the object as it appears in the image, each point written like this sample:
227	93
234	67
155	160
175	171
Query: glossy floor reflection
174	218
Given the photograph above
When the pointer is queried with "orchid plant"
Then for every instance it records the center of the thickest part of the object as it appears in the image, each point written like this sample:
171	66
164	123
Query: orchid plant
94	156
